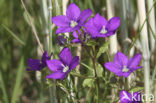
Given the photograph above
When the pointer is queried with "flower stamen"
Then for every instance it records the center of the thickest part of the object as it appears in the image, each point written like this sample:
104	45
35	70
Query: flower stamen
65	68
125	69
103	30
73	23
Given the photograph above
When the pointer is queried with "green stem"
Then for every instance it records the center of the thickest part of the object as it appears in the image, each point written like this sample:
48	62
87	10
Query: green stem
97	91
92	57
94	66
93	61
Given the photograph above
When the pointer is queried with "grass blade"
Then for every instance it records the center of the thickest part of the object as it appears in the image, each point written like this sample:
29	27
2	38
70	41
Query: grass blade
18	81
13	35
154	36
6	100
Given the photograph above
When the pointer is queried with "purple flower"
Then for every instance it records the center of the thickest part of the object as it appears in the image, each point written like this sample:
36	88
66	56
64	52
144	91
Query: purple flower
63	66
36	64
100	27
126	97
73	20
61	40
122	66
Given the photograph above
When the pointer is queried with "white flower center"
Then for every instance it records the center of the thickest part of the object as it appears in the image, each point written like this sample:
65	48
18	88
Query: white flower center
73	23
103	30
65	68
125	69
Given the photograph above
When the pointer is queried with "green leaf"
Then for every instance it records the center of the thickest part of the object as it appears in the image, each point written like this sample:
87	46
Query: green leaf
88	83
99	70
91	43
137	89
103	49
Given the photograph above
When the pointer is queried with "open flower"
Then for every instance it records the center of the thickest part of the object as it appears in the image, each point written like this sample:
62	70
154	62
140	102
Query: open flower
36	64
73	20
100	27
126	97
122	66
63	66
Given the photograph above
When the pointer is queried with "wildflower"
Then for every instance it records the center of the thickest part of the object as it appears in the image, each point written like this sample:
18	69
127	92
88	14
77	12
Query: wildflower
126	97
61	40
100	27
122	66
38	65
63	66
73	20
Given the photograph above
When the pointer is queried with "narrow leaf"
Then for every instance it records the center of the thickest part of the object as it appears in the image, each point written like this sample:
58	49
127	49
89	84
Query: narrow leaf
18	81
91	43
14	35
5	96
103	49
154	35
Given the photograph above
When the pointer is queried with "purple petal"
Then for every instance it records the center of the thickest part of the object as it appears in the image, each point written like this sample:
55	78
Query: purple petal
85	14
121	59
57	75
136	68
54	65
73	12
105	35
66	56
91	29
64	30
125	97
110	33
76	28
34	64
61	21
74	62
134	62
76	35
126	74
113	24
113	68
76	41
99	21
45	57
